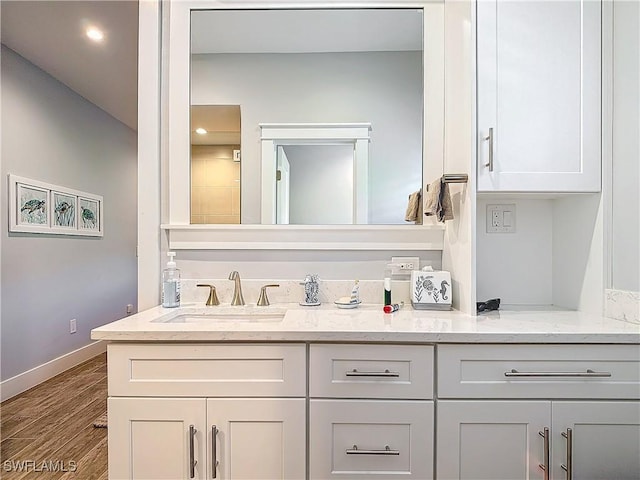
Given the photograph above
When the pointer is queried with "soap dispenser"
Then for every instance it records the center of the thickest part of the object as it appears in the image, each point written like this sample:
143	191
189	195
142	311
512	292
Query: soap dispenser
171	283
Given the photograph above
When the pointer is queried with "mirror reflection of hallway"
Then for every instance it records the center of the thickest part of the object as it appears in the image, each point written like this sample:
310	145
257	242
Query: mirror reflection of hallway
215	164
314	184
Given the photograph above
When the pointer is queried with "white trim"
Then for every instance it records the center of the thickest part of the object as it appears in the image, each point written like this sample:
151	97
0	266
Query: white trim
305	237
149	178
274	135
607	140
29	379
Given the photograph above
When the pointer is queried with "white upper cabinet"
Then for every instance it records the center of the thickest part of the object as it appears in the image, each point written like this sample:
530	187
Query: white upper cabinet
539	96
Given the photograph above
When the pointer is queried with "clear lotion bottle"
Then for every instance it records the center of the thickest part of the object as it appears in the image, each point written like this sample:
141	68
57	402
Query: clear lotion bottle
171	283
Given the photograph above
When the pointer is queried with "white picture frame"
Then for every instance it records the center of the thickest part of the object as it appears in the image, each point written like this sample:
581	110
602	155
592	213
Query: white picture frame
44	208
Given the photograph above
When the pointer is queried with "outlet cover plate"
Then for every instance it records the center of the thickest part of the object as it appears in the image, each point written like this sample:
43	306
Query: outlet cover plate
413	263
501	218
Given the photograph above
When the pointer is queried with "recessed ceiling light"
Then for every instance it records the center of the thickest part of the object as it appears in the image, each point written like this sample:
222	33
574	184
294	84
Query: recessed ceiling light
95	34
200	131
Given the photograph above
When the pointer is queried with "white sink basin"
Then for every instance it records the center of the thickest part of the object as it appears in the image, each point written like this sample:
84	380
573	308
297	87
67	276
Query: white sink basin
223	317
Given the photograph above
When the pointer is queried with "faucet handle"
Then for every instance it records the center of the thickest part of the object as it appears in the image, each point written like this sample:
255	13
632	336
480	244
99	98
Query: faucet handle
263	300
213	296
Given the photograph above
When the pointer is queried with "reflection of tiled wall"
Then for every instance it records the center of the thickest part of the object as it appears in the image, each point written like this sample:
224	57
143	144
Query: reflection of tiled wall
215	184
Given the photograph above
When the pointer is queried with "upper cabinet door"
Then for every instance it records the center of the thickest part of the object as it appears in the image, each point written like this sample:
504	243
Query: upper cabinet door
539	98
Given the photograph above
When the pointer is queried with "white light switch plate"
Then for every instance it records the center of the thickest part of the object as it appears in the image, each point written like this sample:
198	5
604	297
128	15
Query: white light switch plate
501	218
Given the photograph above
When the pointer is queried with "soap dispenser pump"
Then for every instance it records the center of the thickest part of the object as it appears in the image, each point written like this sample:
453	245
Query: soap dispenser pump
171	283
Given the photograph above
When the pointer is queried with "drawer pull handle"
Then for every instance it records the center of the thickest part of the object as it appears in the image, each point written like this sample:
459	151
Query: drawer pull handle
588	373
214	451
386	373
192	461
387	451
546	453
569	466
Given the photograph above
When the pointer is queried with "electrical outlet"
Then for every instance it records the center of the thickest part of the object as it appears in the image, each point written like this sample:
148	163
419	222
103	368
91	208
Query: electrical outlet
501	218
404	265
129	309
496	218
72	326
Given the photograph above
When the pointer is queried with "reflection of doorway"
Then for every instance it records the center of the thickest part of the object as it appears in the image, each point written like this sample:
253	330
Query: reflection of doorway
317	182
314	141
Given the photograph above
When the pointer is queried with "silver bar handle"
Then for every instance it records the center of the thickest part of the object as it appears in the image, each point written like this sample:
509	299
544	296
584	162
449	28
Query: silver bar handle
569	466
387	451
386	373
214	451
545	460
588	373
490	139
192	461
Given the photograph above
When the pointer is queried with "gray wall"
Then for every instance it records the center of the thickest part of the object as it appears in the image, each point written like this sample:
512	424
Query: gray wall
626	146
50	133
383	88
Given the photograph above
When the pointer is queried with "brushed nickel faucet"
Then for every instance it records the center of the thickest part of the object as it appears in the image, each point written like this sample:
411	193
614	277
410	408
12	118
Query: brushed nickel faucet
238	299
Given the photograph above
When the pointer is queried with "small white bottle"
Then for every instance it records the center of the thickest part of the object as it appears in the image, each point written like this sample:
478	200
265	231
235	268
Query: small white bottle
171	283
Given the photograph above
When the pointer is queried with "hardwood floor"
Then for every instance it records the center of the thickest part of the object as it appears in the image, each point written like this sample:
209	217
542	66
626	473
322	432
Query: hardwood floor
48	430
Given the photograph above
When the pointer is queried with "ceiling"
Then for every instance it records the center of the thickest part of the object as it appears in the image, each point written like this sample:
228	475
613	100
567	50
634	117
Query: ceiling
51	35
305	31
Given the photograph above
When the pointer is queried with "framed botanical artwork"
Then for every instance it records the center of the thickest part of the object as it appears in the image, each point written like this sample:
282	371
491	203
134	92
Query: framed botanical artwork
40	207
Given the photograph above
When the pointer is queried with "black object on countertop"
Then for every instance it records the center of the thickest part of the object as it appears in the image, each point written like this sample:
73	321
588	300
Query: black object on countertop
493	304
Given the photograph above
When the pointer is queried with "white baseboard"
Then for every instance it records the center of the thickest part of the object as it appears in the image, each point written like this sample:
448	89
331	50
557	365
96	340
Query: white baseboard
29	379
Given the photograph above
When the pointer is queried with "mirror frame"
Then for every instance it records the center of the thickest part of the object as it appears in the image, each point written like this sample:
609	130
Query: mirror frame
176	72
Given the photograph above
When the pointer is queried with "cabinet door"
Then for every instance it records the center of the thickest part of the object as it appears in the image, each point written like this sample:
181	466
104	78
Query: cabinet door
604	440
150	438
539	92
490	440
263	438
363	439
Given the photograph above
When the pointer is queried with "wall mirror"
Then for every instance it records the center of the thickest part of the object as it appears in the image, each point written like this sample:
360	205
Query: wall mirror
305	67
209	69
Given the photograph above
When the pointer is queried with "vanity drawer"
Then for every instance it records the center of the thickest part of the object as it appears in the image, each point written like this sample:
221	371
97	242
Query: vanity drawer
218	370
370	438
539	371
371	371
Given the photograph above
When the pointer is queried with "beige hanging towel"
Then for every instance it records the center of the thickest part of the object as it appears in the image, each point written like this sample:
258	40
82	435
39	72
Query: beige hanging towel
437	201
414	208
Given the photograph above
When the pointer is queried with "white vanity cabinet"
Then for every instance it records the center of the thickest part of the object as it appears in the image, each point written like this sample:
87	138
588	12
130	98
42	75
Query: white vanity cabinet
207	411
518	411
539	96
371	411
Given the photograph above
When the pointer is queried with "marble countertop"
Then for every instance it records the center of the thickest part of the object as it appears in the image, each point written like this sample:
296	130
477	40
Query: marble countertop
367	323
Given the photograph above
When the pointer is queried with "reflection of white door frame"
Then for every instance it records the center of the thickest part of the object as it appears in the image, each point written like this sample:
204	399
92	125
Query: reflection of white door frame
275	134
282	187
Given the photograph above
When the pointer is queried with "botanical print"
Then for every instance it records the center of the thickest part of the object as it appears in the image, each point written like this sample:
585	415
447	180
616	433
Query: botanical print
425	284
32	205
64	210
89	214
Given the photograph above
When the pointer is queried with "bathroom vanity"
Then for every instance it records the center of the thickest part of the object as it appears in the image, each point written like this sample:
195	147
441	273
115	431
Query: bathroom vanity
284	392
287	392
